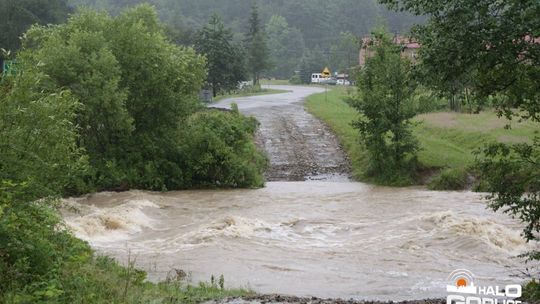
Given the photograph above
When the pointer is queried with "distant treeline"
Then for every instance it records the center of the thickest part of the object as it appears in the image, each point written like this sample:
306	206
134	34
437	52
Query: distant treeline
316	32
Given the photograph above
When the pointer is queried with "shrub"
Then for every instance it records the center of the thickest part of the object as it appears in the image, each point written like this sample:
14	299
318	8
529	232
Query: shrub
426	101
37	136
531	292
295	80
450	179
221	151
34	246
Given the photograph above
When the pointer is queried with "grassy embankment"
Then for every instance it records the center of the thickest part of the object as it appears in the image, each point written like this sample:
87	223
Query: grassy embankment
275	82
447	139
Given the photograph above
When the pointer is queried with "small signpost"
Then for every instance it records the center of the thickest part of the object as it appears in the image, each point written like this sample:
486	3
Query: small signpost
7	67
326	74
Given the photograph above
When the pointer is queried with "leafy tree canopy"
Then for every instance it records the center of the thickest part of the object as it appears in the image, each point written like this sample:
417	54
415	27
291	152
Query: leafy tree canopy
492	46
386	107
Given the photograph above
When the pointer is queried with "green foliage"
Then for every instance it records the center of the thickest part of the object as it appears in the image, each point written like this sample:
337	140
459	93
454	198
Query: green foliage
135	97
225	59
286	47
37	135
512	175
77	56
531	292
34	246
385	103
426	101
450	179
296	79
319	21
18	15
221	151
256	46
485	46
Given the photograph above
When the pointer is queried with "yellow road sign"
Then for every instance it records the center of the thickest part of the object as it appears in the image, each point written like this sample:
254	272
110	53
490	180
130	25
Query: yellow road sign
326	72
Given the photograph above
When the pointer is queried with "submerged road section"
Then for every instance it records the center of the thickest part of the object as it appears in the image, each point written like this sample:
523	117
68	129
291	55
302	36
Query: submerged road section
299	146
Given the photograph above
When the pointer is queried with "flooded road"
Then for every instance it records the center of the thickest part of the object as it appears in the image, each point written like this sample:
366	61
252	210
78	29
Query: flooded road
312	232
298	145
325	239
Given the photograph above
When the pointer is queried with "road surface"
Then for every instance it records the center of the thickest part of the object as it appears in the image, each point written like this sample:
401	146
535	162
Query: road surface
299	146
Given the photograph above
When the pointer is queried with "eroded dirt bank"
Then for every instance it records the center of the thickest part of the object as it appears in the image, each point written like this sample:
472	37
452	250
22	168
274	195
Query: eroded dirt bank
299	146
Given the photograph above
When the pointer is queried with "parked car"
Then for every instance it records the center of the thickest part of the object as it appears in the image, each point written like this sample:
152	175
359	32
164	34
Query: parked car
329	81
343	82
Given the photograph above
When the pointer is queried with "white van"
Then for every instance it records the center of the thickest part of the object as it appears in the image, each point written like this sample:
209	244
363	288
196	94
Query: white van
317	78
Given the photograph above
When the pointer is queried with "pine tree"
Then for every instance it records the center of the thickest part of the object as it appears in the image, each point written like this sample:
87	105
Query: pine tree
257	50
224	60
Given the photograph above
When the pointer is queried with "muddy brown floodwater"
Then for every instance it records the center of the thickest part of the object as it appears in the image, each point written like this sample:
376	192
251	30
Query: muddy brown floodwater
325	236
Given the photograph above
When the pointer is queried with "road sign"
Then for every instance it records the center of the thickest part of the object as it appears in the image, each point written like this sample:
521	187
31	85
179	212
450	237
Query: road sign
326	72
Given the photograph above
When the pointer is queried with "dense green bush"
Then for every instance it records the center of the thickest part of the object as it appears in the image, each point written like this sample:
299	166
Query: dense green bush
131	99
531	292
296	79
34	246
427	101
450	179
221	151
37	136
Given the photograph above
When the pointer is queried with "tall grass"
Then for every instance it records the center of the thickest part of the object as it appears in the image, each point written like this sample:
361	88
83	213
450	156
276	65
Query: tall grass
447	139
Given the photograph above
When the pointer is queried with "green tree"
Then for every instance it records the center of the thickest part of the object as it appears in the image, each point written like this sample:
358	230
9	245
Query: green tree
495	42
134	93
344	54
78	58
257	50
18	15
286	46
385	104
224	59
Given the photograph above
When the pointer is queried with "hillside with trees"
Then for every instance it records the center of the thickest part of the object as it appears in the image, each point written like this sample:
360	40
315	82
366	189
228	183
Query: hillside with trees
315	32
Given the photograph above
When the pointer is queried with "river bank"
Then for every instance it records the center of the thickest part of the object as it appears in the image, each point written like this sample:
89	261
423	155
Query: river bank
448	140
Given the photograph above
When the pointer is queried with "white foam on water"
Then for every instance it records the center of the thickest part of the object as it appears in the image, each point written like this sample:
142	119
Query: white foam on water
484	229
102	225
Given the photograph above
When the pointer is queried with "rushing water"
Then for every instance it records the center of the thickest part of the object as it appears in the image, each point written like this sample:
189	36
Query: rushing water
307	238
